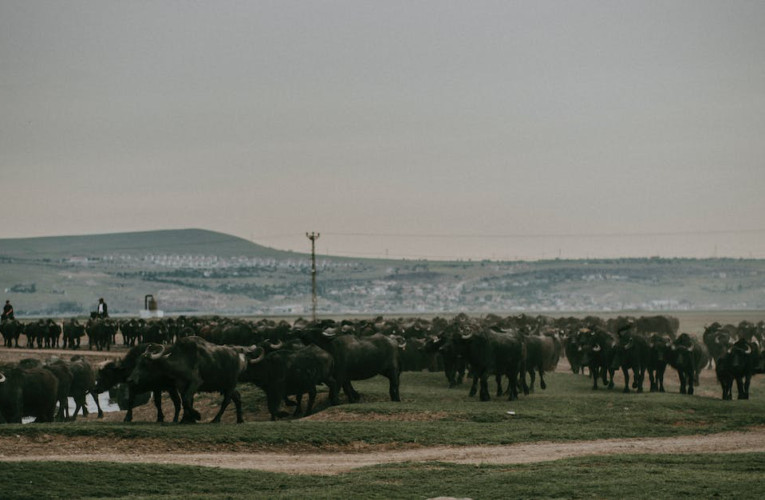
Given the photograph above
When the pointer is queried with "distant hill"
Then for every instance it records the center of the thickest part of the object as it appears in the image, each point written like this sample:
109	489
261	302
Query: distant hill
177	241
199	271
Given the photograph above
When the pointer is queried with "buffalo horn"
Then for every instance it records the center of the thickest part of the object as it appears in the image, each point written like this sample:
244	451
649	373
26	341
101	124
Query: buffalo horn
276	347
689	348
466	336
748	349
629	344
674	347
717	339
2	378
596	348
156	356
329	333
259	358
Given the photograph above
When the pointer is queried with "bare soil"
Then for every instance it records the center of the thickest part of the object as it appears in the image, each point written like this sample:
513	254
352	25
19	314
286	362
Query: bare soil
299	461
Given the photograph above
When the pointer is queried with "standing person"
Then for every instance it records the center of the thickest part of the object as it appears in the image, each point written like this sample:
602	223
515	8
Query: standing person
7	311
102	309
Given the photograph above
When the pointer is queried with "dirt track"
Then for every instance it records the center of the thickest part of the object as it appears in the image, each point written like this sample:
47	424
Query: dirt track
339	462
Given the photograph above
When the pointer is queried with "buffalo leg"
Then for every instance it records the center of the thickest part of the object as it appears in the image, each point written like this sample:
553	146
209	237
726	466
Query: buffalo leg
311	399
542	383
157	395
484	391
227	395
176	399
393	379
626	373
187	398
98	405
740	387
474	387
532	377
238	404
653	379
298	405
498	378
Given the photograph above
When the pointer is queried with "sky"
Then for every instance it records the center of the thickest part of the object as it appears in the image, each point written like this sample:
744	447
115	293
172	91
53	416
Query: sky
432	129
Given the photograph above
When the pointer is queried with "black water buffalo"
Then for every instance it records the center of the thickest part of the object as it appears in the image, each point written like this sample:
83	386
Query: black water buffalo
130	331
688	357
415	358
73	332
195	365
542	354
117	372
359	358
285	372
658	358
596	348
36	332
491	352
631	352
53	334
83	383
717	338
11	330
101	333
64	377
646	325
451	356
27	393
738	364
573	349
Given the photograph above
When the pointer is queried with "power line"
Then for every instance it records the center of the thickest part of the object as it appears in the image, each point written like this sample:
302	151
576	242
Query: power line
529	235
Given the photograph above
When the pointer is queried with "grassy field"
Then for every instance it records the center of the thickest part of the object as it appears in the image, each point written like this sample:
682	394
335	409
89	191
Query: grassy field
634	476
432	414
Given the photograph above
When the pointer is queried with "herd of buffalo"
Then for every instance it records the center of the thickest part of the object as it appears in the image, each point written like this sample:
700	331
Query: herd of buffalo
186	355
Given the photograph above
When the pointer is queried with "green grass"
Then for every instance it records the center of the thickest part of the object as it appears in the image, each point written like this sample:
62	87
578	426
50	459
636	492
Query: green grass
432	414
620	476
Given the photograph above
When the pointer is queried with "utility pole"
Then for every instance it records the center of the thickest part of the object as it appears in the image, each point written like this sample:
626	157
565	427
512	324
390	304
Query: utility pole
313	237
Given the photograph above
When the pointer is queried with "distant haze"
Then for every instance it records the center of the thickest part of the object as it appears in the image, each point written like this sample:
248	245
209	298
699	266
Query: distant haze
497	130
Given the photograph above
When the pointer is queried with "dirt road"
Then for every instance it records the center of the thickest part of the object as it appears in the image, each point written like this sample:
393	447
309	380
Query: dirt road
339	462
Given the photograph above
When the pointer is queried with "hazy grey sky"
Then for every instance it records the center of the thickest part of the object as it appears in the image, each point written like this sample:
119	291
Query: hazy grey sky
269	119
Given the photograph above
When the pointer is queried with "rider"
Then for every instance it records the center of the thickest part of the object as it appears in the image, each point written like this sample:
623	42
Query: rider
102	309
7	311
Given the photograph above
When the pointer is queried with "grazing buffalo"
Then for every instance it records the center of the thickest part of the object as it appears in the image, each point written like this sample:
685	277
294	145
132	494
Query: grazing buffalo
542	354
499	353
285	372
83	383
117	372
688	357
64	377
194	364
359	358
27	393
